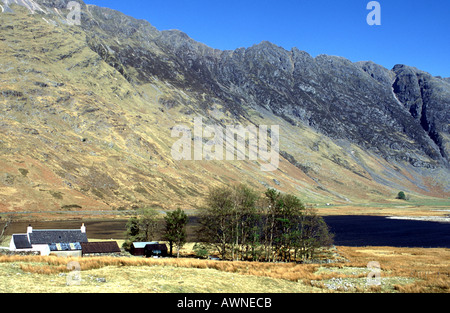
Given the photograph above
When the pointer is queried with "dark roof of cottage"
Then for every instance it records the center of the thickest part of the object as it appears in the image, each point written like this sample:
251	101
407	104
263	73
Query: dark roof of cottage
100	247
21	242
39	237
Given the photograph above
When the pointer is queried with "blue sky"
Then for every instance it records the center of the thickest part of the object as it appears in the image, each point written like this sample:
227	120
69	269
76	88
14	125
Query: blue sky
416	33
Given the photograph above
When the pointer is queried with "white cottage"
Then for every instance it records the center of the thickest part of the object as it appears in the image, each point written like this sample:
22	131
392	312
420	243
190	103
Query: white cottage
64	242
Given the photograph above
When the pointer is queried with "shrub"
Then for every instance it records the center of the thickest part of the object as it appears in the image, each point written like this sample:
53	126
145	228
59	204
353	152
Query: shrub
200	251
401	196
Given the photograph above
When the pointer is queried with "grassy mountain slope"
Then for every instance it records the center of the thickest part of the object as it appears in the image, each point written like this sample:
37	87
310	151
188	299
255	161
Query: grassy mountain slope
86	119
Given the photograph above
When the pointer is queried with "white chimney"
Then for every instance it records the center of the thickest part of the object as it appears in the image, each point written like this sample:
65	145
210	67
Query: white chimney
29	229
83	228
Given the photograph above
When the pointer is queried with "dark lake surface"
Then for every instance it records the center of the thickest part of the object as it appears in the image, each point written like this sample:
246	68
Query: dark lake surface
349	230
356	231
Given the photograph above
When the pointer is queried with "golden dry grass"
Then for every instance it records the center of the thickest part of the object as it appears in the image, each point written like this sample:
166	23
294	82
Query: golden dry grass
51	265
403	270
429	268
48	274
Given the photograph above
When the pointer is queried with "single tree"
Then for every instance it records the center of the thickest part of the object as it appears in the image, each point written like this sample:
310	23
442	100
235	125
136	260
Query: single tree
132	232
401	195
271	208
148	223
175	233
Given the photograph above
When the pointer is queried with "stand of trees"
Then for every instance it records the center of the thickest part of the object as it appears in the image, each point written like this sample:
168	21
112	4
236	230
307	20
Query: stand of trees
243	225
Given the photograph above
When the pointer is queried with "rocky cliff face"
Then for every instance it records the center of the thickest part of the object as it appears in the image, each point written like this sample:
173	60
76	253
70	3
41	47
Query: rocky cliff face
92	106
427	98
334	96
343	100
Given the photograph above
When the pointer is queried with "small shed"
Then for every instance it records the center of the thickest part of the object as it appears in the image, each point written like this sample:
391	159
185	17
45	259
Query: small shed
155	250
98	248
138	248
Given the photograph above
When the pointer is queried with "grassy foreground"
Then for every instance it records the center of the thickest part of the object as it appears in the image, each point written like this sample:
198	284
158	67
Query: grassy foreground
402	270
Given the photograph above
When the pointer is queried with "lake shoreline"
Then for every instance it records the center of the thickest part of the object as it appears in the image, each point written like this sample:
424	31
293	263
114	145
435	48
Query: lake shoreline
438	219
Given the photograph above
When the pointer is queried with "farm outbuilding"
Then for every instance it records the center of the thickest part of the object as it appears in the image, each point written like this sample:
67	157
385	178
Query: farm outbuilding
155	250
138	248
